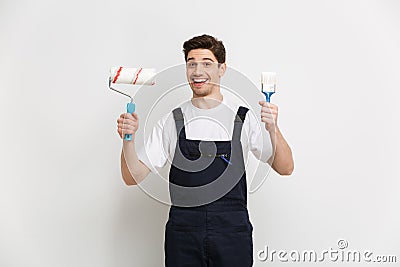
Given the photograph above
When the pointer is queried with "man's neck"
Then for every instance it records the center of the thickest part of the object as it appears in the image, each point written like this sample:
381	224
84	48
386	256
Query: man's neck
207	102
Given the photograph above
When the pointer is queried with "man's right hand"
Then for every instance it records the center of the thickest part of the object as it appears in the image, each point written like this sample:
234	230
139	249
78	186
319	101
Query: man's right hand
128	124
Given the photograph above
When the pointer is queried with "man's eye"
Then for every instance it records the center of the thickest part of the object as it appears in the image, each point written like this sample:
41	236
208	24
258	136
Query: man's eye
207	64
191	64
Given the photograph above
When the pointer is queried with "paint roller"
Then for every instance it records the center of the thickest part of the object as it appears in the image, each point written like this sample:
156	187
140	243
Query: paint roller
132	76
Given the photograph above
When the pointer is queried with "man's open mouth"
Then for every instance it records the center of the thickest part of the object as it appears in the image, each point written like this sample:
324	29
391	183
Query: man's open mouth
198	82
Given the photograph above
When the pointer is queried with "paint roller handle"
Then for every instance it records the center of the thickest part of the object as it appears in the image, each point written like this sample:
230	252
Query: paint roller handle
130	108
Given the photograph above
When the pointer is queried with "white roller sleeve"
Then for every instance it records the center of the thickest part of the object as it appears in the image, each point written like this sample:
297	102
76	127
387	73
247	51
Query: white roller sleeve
139	76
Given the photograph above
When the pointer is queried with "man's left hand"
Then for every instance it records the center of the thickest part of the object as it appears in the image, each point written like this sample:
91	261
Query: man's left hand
269	115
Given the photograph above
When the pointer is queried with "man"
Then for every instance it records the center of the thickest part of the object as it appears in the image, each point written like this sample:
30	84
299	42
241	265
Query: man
208	222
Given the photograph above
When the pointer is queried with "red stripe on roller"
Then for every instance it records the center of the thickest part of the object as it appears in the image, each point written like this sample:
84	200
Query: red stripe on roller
116	76
137	75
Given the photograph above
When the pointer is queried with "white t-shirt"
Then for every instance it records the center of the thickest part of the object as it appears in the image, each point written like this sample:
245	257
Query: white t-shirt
215	124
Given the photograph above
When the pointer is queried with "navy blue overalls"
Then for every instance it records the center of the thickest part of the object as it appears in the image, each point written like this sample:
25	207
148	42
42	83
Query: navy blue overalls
200	232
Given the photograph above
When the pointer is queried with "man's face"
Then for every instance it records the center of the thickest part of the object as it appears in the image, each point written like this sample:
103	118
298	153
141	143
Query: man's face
203	72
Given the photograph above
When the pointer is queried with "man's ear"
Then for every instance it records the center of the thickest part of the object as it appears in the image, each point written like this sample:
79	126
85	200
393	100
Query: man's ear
222	69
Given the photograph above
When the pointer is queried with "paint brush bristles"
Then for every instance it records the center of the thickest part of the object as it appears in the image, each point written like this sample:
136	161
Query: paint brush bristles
268	84
268	81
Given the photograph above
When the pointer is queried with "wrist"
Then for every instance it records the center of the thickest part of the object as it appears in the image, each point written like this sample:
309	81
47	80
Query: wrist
273	129
129	143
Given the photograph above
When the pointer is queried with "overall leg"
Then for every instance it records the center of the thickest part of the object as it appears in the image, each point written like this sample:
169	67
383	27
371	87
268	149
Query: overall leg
231	242
185	239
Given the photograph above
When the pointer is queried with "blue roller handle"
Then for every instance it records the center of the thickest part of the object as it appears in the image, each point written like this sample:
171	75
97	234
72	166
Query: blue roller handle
130	108
268	95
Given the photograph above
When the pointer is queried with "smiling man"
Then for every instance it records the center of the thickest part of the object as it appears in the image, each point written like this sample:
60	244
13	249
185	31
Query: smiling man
208	139
203	73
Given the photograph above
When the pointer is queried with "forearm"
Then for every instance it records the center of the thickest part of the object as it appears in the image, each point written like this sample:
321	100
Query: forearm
282	161
132	169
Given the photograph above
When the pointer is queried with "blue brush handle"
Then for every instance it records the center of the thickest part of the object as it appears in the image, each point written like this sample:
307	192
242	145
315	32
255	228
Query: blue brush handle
130	108
268	95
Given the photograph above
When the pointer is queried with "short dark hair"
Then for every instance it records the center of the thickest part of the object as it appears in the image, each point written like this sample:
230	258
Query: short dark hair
205	42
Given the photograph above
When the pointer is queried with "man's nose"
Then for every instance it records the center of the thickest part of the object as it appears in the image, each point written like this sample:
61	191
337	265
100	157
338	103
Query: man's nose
198	70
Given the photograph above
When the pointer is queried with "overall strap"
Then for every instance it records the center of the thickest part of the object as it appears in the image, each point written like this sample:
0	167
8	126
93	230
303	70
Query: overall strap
239	119
179	123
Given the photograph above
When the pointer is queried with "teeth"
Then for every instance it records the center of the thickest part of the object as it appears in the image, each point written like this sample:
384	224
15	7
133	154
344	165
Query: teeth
199	80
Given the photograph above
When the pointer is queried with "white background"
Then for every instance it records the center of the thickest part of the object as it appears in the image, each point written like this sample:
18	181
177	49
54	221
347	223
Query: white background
62	199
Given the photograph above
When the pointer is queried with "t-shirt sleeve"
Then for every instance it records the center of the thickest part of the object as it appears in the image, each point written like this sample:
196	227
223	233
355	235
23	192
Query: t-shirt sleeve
259	139
156	149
